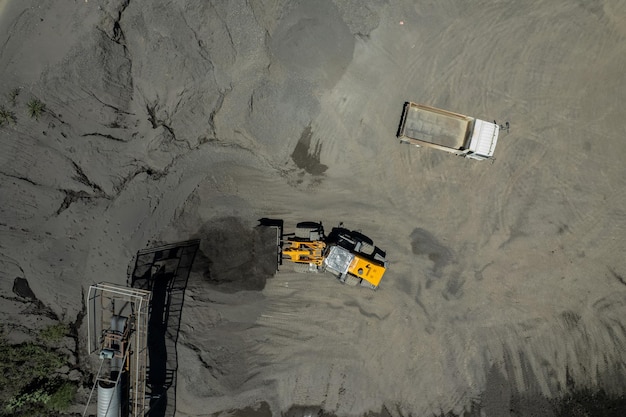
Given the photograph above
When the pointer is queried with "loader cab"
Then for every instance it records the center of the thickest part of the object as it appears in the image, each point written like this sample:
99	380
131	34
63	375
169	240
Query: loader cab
354	268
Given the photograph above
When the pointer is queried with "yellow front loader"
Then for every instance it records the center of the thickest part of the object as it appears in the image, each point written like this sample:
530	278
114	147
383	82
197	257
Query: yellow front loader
348	255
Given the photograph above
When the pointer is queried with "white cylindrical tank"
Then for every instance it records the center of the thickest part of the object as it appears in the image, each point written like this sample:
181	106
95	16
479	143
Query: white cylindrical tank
108	399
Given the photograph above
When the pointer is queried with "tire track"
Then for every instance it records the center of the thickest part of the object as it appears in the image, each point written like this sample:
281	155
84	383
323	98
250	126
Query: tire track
560	348
18	154
517	183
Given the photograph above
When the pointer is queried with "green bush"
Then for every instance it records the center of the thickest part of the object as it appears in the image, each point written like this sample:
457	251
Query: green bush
29	400
35	108
26	362
27	384
6	116
50	396
62	397
54	332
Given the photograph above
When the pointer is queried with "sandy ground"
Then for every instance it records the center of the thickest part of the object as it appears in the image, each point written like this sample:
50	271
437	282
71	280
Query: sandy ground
170	120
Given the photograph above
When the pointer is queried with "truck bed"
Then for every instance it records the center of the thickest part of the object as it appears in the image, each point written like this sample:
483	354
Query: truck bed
440	127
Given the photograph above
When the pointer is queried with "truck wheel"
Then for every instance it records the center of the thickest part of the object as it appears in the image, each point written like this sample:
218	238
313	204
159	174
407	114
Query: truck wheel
309	231
352	281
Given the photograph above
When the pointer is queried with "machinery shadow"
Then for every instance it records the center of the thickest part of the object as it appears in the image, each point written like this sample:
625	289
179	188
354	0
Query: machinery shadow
164	271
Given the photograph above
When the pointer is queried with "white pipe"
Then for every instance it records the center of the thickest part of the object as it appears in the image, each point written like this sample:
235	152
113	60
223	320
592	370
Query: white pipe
108	400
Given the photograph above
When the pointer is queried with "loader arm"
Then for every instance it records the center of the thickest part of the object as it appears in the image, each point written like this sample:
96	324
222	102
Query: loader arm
304	252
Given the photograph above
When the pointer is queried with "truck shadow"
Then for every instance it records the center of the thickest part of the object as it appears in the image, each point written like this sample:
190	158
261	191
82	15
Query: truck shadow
164	271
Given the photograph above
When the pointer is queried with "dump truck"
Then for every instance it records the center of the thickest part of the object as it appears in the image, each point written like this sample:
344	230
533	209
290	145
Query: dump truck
427	126
348	255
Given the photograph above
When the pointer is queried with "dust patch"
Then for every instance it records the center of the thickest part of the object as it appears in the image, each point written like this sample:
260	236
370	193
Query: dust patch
307	410
364	312
361	16
424	243
262	410
617	276
478	274
234	257
306	158
594	7
501	398
454	286
313	42
570	319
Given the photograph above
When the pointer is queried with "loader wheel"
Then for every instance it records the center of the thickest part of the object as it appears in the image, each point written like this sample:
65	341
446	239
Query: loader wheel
367	248
360	237
301	268
352	281
308	231
364	283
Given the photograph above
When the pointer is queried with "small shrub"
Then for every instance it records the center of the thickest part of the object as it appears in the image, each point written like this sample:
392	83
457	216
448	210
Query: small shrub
50	395
35	108
6	116
54	332
62	397
24	363
28	385
23	400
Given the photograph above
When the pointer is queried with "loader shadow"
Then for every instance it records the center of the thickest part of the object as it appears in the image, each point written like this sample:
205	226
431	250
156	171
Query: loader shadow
164	271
